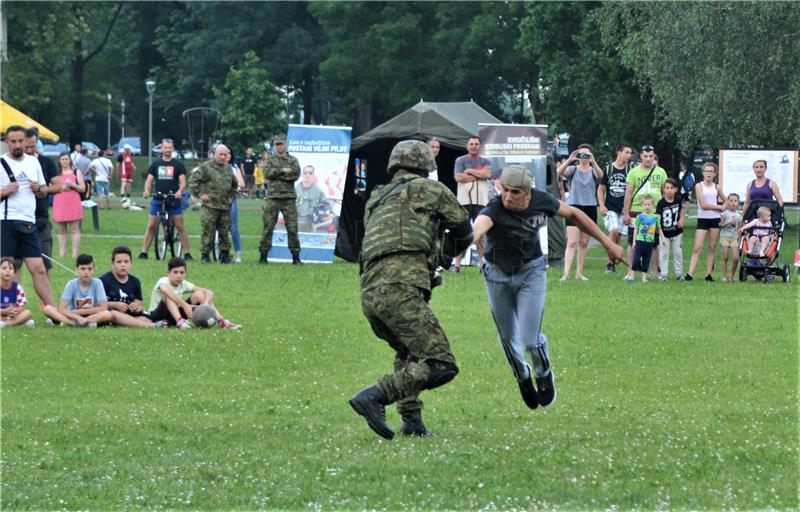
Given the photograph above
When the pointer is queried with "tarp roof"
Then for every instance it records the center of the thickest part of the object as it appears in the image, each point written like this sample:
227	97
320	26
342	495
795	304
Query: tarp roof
9	116
450	122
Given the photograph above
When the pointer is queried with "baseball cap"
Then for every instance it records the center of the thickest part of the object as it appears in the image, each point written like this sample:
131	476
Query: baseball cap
279	139
516	176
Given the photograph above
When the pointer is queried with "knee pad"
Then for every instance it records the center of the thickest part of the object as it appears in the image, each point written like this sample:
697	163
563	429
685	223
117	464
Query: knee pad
441	373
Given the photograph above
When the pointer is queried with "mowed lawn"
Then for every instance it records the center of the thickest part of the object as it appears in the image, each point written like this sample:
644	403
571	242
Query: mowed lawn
670	396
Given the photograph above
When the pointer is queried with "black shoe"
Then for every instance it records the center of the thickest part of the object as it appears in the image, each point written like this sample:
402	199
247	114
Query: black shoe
610	269
142	256
547	389
263	259
413	426
529	395
224	258
709	278
204	258
296	259
188	257
688	277
370	404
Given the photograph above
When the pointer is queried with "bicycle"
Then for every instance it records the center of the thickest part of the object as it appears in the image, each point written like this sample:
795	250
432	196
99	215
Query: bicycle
165	236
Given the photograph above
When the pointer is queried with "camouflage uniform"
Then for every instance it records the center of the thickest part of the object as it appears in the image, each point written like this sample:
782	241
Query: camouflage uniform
398	256
308	201
281	172
218	182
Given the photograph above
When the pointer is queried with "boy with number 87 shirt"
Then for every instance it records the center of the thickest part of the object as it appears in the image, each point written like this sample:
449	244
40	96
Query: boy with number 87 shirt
671	217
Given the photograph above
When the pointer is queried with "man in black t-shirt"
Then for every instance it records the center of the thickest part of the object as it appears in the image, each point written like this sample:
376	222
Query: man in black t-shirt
53	180
170	177
124	291
611	196
248	166
515	273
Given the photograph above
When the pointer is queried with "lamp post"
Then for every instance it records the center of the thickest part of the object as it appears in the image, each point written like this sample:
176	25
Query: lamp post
123	119
151	88
108	133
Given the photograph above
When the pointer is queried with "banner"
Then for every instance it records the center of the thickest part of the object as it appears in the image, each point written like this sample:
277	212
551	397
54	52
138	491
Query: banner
736	170
323	152
520	144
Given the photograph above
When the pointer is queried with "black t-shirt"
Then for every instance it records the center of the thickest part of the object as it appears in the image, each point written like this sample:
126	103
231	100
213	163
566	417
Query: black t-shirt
166	175
614	181
249	164
49	171
513	239
669	214
121	292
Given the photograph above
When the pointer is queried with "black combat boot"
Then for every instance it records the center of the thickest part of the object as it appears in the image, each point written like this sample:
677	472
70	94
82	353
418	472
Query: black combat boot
413	426
204	258
370	403
263	259
296	259
224	257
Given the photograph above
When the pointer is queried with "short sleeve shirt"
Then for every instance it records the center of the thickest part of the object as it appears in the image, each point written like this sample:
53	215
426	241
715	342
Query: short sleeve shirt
473	192
249	164
513	239
183	290
669	213
652	186
22	203
648	227
614	181
167	174
77	298
116	291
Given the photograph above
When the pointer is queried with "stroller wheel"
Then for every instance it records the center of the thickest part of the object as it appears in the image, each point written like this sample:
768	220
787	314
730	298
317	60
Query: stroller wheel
743	273
785	274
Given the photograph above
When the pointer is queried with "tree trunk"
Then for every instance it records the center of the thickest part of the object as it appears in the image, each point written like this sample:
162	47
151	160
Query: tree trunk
363	122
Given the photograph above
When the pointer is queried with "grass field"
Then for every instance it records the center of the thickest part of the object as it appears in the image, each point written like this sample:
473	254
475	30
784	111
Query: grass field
670	396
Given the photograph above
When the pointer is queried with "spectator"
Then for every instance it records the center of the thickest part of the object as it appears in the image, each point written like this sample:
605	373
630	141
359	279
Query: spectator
282	170
670	217
12	297
686	180
730	220
81	162
247	167
21	182
67	207
237	238
435	146
645	227
647	178
83	303
214	184
761	187
53	180
258	180
472	173
583	179
611	197
126	167
124	291
708	214
102	169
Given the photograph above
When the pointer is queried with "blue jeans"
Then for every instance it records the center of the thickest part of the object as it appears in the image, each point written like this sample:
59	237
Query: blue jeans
237	238
517	305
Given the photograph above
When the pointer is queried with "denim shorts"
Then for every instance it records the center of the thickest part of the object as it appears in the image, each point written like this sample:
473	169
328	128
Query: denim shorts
173	207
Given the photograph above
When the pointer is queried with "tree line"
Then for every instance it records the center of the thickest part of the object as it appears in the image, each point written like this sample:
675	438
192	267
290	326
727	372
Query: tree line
680	75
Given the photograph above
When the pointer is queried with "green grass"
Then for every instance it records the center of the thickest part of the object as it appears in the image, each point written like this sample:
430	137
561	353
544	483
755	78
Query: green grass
671	396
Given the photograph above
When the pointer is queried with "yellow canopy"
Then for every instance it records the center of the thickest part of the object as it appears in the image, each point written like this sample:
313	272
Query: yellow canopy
9	116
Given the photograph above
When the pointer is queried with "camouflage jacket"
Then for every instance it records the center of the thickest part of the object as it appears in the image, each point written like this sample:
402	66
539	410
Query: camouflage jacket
215	180
281	172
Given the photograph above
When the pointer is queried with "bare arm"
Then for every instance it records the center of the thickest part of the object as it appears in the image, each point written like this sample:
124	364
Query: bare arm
626	209
776	191
481	226
698	192
148	184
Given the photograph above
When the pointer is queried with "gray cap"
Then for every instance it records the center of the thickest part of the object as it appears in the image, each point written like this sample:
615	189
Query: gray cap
516	176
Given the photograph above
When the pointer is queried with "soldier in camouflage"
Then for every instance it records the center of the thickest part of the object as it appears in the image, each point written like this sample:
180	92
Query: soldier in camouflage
281	170
214	183
403	244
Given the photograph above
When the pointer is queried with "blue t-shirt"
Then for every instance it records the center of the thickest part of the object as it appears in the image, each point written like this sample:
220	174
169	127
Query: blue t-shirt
648	224
79	299
513	239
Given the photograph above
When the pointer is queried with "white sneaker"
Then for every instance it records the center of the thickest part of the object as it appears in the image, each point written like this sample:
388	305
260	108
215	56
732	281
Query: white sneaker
30	323
628	279
2	324
563	278
183	324
582	278
237	259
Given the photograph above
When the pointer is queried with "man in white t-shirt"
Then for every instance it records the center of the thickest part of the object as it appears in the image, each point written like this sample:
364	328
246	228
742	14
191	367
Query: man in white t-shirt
103	169
21	181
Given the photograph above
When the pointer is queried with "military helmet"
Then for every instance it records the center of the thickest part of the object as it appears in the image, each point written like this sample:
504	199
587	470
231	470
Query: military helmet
413	155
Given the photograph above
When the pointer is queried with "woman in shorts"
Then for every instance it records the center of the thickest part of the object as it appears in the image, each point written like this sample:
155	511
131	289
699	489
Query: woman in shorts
709	207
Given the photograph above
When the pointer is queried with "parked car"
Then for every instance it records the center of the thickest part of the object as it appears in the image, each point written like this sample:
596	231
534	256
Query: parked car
134	142
54	149
91	148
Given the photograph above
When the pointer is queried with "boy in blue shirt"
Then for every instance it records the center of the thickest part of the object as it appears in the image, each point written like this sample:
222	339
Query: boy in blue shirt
84	302
646	226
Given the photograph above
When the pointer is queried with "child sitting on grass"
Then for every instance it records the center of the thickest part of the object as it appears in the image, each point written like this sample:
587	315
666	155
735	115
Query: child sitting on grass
729	222
12	297
763	225
173	298
84	302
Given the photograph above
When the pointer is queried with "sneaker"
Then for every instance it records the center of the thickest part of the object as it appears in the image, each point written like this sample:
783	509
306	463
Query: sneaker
613	268
528	392
204	259
455	269
564	278
183	324
547	389
237	259
30	323
663	279
581	278
679	278
610	268
91	325
188	257
142	256
709	278
160	324
688	277
227	324
2	324
724	280
628	279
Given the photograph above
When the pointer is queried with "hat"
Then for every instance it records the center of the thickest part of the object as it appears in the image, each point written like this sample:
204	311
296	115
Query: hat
516	176
279	139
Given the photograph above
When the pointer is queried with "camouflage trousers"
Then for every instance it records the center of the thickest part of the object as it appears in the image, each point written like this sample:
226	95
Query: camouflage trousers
399	314
214	220
288	207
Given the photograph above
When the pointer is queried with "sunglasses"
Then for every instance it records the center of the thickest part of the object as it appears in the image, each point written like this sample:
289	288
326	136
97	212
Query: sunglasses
648	148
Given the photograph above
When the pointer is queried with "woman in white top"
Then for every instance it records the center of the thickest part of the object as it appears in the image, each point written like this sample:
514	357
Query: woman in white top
710	201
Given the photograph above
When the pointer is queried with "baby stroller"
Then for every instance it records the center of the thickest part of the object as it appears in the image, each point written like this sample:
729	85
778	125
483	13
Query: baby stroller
752	264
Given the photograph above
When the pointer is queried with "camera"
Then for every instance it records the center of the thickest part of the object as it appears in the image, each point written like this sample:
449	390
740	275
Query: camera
584	155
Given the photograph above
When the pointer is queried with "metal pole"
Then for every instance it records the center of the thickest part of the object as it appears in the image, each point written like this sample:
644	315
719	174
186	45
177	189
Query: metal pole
123	121
150	133
108	133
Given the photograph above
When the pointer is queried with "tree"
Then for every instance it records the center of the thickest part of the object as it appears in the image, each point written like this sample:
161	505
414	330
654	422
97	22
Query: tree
250	105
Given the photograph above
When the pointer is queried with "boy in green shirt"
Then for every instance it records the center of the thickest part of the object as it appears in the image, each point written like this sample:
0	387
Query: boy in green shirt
646	226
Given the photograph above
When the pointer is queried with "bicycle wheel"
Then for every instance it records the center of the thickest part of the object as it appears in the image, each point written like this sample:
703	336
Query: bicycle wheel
174	242
215	247
160	241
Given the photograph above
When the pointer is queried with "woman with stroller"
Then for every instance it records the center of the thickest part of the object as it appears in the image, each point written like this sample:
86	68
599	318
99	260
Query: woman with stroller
761	187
